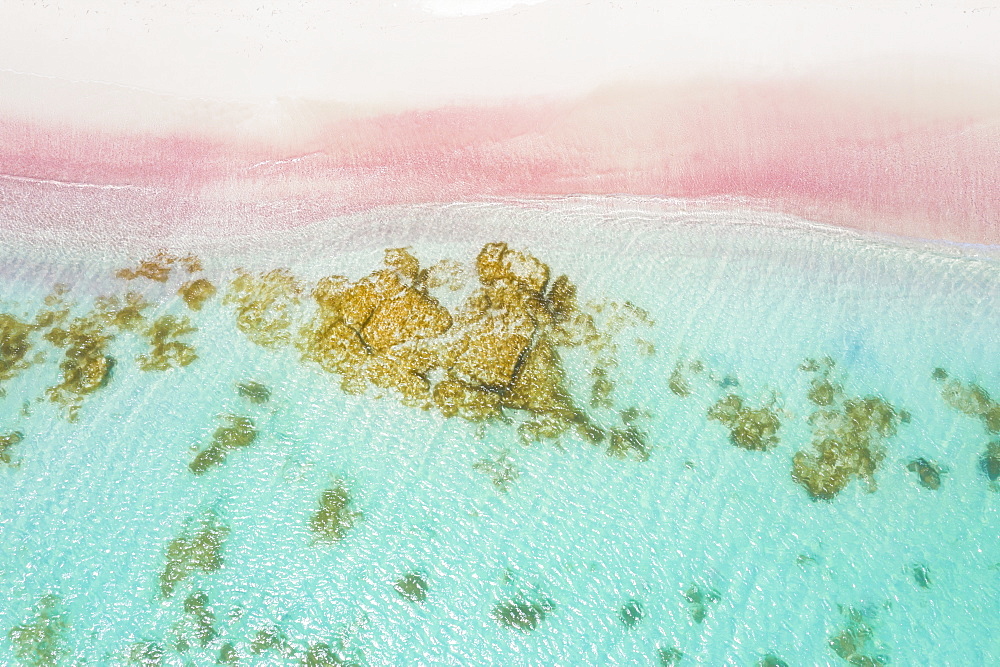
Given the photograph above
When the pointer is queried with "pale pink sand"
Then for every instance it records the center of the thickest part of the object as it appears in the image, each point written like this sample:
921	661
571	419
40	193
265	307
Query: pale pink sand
824	153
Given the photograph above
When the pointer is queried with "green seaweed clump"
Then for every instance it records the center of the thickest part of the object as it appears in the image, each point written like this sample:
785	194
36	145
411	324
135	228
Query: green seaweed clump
197	628
166	352
239	433
7	442
855	643
970	399
272	639
848	440
771	660
928	473
39	642
752	429
255	392
228	655
669	657
631	613
412	587
191	551
334	517
989	462
144	654
922	575
699	601
501	471
522	613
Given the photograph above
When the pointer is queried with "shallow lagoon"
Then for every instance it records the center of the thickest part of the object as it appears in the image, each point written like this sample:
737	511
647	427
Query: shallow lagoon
550	552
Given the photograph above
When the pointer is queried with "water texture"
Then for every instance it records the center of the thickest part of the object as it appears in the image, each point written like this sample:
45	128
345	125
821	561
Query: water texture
505	434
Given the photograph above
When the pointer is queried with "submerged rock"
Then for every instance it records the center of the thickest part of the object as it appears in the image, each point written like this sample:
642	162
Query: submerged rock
922	576
989	462
669	657
928	473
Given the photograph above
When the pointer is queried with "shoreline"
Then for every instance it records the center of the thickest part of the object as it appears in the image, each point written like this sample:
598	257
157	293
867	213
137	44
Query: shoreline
644	225
833	153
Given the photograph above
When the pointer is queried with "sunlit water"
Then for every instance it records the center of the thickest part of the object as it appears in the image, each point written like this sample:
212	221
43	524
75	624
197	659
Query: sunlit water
615	552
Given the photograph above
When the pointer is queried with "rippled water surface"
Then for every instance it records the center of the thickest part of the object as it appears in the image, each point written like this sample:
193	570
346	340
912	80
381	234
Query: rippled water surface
713	442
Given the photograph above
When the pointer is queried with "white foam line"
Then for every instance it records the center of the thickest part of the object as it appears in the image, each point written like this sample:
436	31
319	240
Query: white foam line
76	184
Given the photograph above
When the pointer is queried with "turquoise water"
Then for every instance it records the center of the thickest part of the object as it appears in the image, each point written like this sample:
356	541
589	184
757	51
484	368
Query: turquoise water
705	553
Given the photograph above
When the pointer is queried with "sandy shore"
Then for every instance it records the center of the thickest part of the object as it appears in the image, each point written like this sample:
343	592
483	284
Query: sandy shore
829	154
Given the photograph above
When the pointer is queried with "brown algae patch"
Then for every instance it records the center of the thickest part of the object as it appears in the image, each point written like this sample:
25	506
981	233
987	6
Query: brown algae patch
272	638
680	378
228	655
7	443
144	654
158	267
334	518
753	429
412	587
501	471
969	399
699	601
989	461
496	353
15	346
265	305
197	548
239	433
823	390
973	400
522	612
40	641
196	292
848	437
86	366
166	352
321	654
855	643
255	392
197	628
928	473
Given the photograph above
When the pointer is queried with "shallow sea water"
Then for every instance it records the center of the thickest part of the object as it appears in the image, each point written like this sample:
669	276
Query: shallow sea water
910	574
